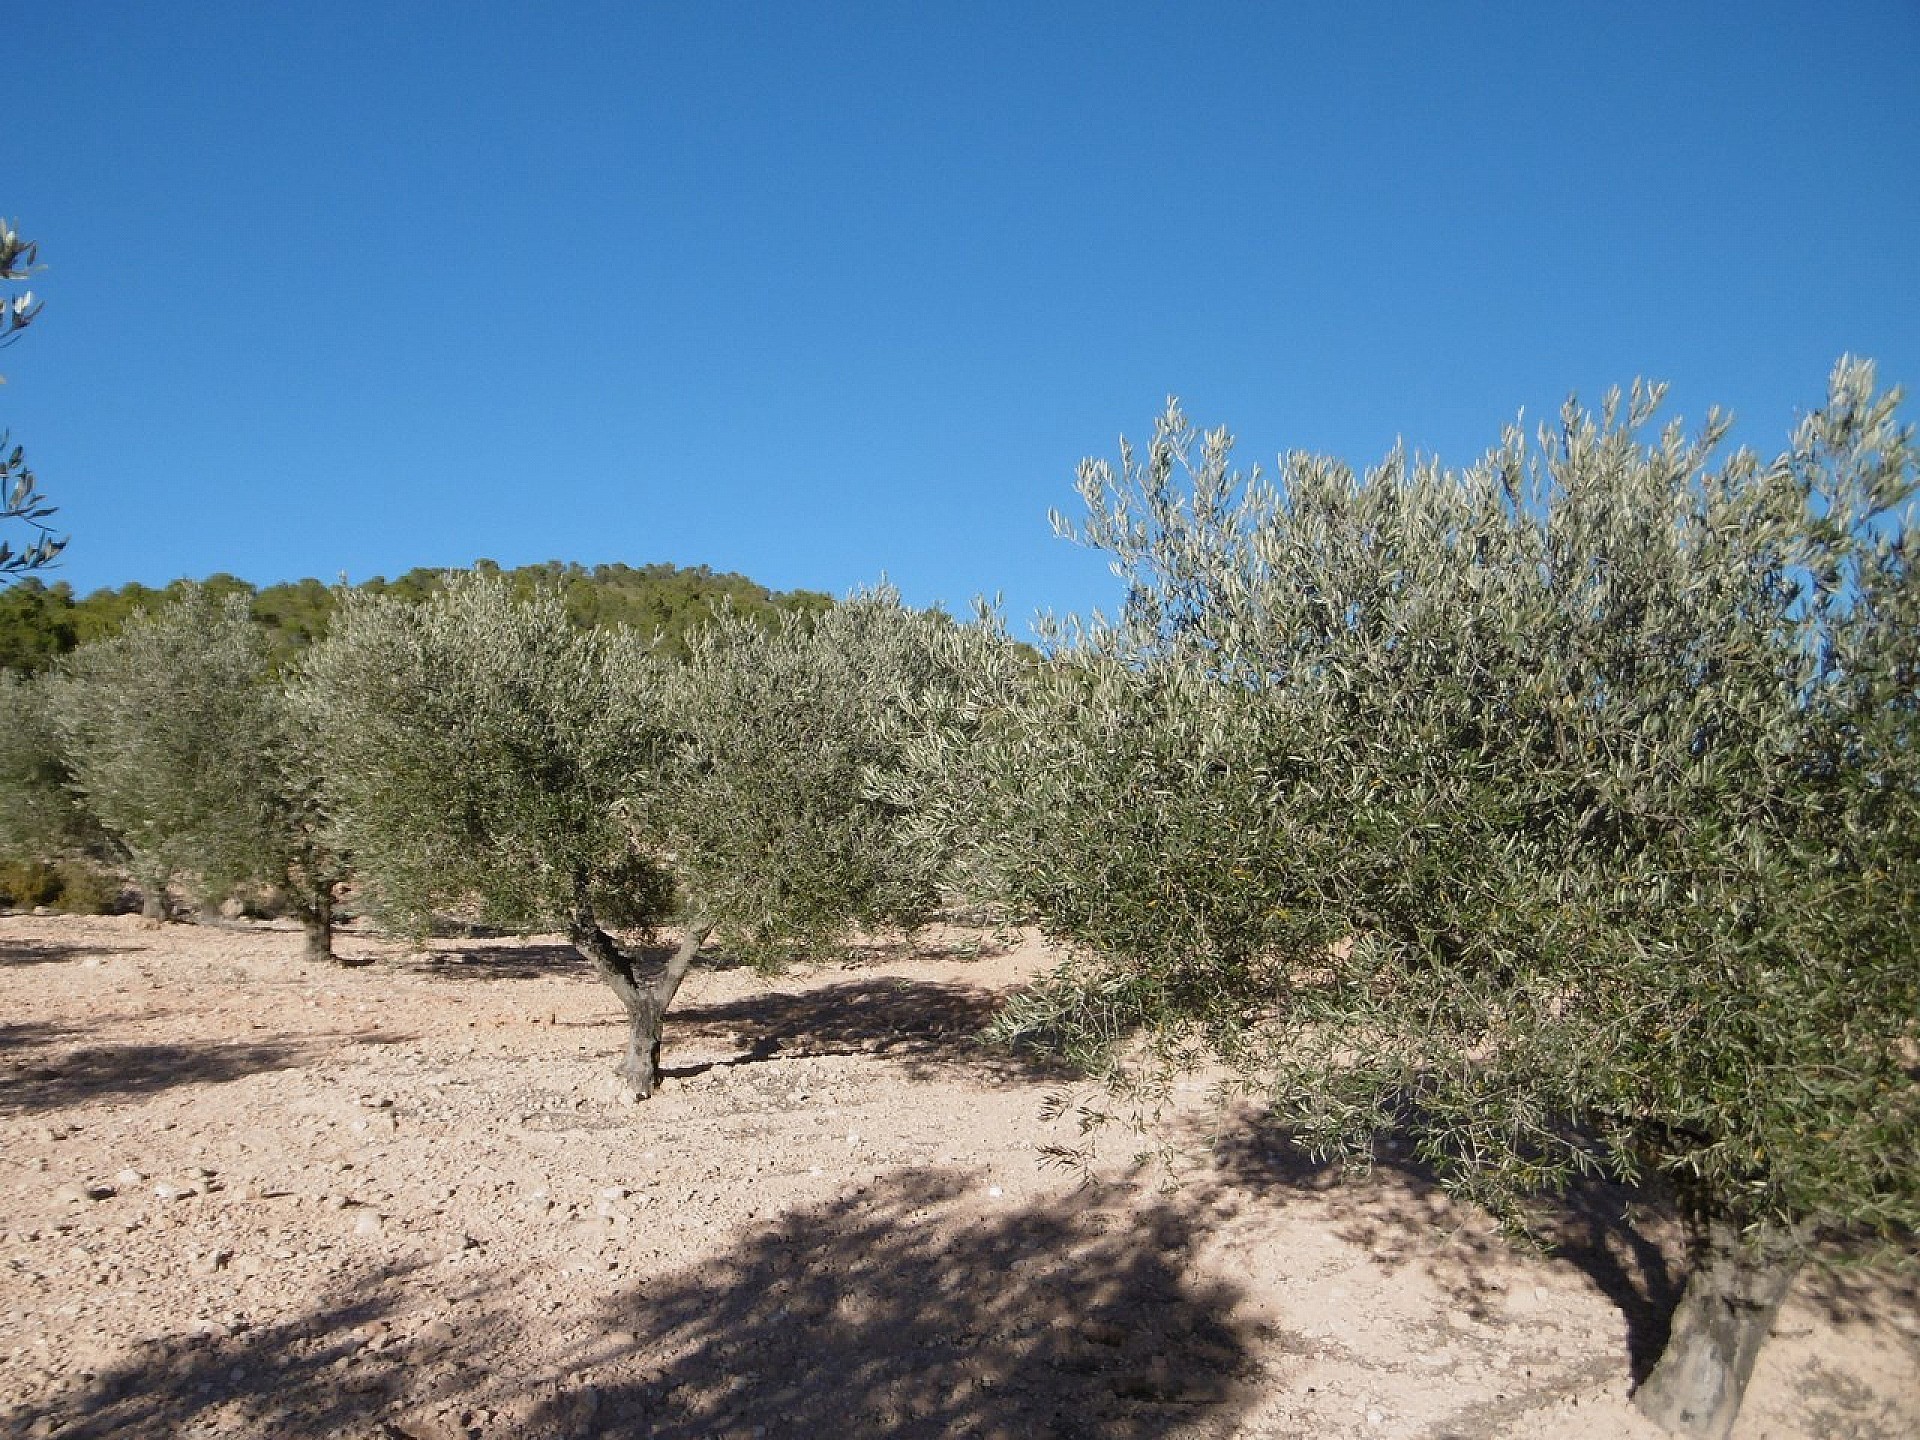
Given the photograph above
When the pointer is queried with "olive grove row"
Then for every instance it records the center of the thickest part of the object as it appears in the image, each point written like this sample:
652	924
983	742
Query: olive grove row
1561	815
480	755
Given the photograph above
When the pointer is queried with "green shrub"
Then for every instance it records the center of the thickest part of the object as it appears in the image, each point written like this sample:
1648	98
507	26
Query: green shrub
86	889
71	887
27	883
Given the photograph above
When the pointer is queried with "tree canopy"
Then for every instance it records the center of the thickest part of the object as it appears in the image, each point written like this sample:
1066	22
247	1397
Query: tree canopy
482	753
1558	814
178	738
661	603
779	732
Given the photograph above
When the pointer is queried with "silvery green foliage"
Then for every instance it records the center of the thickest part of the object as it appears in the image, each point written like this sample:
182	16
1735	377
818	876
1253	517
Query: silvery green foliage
40	816
481	753
173	734
20	497
16	263
779	831
1121	808
1600	753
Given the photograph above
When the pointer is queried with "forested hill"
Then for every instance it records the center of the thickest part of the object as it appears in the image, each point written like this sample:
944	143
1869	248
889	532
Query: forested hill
39	622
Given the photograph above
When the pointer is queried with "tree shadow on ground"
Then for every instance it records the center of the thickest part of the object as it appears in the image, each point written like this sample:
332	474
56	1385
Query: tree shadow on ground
1855	1295
927	1027
528	961
533	959
304	1377
904	1311
53	952
1625	1240
46	1071
969	943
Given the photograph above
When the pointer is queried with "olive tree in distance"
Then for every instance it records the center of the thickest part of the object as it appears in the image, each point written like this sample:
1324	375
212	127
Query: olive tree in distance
41	818
1562	814
179	739
485	755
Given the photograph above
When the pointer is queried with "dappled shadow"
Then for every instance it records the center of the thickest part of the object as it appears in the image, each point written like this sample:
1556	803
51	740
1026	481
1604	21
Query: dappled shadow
1623	1239
932	944
1856	1295
899	1313
528	961
31	1035
53	952
926	1026
305	1378
45	1071
903	1311
493	955
532	959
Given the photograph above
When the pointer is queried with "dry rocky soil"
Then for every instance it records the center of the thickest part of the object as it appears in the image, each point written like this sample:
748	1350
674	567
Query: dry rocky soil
245	1196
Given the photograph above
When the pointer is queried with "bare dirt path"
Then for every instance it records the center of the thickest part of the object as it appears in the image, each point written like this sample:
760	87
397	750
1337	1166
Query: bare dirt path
249	1197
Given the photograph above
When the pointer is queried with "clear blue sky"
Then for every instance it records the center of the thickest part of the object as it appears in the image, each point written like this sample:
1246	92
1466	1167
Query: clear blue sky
817	291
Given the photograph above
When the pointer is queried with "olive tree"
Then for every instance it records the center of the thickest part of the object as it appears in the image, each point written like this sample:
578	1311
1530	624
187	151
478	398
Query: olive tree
179	739
483	753
779	729
1560	813
41	818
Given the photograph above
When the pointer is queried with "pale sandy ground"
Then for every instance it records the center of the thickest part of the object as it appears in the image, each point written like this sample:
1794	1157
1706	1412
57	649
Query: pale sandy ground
247	1197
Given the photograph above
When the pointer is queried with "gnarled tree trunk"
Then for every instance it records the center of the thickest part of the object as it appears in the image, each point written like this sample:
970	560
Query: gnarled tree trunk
153	895
645	1001
639	1067
1735	1285
316	918
318	925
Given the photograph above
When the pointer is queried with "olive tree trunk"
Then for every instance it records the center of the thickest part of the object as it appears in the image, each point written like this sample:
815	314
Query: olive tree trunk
1735	1285
645	1000
316	918
153	894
